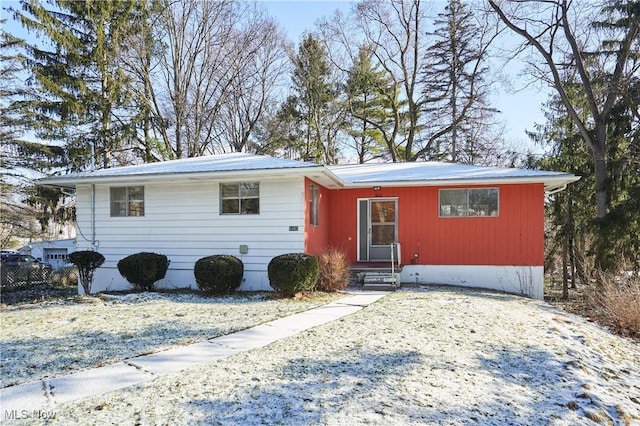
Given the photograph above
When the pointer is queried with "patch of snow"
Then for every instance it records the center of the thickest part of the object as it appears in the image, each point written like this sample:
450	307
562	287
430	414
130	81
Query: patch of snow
453	356
58	337
434	171
213	163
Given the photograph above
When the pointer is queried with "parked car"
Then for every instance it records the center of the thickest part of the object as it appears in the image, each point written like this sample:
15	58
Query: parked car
14	260
24	267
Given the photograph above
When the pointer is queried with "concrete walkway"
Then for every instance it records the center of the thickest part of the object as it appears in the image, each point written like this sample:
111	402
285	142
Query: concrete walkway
44	395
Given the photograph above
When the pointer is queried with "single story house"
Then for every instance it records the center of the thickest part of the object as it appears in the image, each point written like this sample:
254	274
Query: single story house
54	252
444	223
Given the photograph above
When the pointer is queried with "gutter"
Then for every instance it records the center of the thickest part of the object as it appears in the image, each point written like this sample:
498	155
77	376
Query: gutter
551	183
71	182
550	191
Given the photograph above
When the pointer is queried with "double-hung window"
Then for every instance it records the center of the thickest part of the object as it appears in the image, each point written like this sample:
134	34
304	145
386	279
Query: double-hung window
127	201
469	202
240	198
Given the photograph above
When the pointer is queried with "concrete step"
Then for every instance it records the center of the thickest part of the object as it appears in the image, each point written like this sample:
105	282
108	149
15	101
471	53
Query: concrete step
379	287
382	281
359	269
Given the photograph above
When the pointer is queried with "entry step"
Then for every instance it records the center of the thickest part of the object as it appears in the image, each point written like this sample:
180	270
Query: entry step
380	281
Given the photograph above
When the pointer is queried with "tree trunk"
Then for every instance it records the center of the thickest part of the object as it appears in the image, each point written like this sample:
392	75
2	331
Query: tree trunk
565	272
601	175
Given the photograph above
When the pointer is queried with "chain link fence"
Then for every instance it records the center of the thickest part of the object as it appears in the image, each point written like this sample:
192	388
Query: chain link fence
21	278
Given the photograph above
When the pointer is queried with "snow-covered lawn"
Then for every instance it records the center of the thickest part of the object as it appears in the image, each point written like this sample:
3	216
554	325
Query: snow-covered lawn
436	356
53	338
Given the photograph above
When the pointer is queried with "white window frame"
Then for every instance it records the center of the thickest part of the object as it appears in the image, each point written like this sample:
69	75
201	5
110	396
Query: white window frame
127	201
468	207
239	197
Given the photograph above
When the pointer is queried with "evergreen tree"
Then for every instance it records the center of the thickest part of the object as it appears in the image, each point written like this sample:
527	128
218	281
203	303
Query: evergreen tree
568	212
455	88
11	66
77	72
368	94
567	49
24	205
613	242
281	132
315	96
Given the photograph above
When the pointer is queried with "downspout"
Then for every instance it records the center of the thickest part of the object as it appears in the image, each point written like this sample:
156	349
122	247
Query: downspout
94	246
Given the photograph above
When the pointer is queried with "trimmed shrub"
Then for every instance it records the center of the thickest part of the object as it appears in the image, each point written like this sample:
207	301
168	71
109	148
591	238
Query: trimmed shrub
219	274
292	273
87	262
142	270
333	271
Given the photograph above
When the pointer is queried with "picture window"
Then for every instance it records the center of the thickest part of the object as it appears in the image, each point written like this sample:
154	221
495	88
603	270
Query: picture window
469	202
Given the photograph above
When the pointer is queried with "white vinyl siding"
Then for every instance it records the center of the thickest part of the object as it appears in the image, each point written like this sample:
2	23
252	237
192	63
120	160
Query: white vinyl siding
183	222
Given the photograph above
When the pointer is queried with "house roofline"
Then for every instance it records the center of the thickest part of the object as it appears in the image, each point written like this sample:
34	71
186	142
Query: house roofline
271	173
323	174
551	183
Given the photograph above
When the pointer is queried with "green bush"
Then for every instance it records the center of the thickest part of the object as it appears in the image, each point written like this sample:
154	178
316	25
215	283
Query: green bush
219	274
292	273
87	262
142	270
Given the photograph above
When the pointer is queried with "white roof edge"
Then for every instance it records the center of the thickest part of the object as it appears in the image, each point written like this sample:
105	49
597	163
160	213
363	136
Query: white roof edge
549	181
333	177
71	182
553	182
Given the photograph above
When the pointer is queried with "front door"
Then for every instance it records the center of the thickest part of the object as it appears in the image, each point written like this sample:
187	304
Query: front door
378	226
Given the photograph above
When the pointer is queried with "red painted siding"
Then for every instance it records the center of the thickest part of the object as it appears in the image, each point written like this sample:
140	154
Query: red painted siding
515	237
316	238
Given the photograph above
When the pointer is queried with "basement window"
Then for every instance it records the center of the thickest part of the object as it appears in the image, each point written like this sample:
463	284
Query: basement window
240	198
469	202
127	201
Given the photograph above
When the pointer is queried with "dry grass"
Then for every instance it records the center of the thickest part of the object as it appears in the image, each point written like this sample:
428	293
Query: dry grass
333	271
63	335
508	360
617	303
611	301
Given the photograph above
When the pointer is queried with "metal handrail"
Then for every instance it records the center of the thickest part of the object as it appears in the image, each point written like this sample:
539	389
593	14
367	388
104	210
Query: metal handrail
397	246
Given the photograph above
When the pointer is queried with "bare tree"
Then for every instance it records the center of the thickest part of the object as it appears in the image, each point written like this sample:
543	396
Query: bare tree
222	61
195	37
253	90
397	38
457	84
140	61
562	33
372	110
394	32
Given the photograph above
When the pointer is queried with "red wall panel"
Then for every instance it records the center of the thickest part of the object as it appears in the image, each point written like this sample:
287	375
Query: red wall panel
316	237
515	237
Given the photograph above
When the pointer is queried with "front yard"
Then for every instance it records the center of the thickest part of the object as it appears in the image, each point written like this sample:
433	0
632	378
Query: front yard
60	336
425	356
